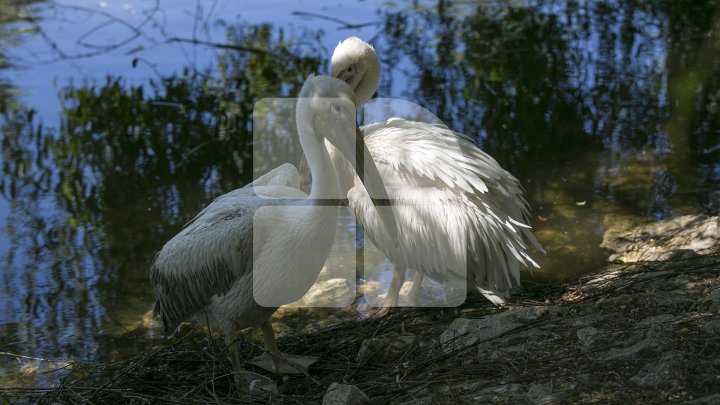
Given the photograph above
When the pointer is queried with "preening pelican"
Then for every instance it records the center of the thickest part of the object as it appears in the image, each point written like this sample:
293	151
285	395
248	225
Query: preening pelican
268	239
458	212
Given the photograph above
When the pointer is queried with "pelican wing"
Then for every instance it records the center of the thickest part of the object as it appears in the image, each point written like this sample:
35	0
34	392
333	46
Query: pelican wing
455	206
210	254
431	155
284	175
446	235
411	153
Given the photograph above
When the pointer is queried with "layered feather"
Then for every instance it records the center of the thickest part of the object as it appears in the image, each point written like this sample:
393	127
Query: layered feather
461	216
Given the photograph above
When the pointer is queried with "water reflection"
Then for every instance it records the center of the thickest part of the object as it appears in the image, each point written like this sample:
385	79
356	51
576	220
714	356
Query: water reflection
579	99
92	201
606	111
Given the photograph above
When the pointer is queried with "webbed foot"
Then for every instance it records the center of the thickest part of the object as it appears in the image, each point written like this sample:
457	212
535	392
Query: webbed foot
254	381
284	363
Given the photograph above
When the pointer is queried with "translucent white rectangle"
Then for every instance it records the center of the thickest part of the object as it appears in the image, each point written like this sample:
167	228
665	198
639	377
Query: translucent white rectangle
312	281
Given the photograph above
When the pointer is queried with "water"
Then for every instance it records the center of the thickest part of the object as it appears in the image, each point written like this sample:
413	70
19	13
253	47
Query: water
606	112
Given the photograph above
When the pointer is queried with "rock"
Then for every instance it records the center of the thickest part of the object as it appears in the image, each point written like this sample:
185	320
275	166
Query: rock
385	346
464	388
479	392
595	318
711	302
344	394
659	240
655	339
707	400
464	332
712	325
506	393
540	394
335	292
662	319
504	350
588	336
666	373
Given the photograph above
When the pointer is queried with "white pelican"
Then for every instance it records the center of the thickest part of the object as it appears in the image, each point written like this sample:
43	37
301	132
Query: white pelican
458	212
237	249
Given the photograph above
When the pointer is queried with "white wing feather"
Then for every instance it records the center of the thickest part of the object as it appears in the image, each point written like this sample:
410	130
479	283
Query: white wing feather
456	207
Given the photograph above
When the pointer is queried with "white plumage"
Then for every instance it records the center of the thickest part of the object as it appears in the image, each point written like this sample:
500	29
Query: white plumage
456	208
264	242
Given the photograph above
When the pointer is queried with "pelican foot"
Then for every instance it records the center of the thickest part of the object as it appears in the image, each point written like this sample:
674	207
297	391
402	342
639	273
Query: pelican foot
285	363
381	313
254	381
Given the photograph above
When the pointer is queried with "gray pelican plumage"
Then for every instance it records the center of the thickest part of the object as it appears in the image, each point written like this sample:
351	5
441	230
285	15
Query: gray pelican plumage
459	213
268	240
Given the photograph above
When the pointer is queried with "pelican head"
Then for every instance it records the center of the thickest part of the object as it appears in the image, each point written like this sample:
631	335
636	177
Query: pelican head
325	108
355	62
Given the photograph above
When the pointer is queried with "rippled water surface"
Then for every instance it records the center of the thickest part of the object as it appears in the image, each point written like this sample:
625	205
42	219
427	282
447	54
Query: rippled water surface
121	120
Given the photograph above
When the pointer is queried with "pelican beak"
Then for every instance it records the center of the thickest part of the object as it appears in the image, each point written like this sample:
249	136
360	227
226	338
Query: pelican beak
345	76
341	131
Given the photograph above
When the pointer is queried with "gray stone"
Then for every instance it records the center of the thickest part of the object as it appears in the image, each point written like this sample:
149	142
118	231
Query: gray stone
711	302
654	340
661	319
344	394
711	399
588	320
327	293
384	346
464	388
506	393
665	373
539	394
588	336
464	332
712	324
660	240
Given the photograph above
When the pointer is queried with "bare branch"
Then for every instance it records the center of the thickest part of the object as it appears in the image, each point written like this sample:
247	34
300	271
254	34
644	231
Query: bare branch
239	48
345	25
96	49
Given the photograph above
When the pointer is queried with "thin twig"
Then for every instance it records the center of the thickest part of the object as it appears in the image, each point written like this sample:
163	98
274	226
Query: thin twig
239	48
344	25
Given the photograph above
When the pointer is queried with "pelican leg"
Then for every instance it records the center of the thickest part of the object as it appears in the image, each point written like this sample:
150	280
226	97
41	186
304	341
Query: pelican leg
393	294
275	361
241	376
233	354
416	291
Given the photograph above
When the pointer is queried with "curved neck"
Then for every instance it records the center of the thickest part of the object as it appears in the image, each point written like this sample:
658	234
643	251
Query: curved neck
346	176
324	176
367	86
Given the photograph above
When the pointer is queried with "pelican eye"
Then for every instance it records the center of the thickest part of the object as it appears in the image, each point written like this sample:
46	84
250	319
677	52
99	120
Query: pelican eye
347	74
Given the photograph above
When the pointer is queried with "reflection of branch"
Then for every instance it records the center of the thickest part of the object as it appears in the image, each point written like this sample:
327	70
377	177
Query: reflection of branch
20	356
223	46
344	24
97	49
111	20
186	158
